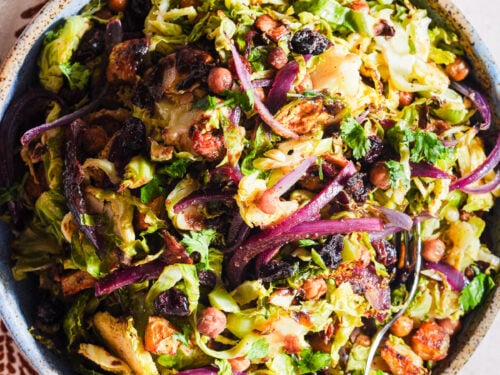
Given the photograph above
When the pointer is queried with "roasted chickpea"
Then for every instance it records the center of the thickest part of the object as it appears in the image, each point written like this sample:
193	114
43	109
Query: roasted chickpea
220	80
405	98
212	322
458	70
379	176
360	6
431	341
266	23
277	58
314	288
117	5
402	326
239	364
267	202
363	340
433	250
451	326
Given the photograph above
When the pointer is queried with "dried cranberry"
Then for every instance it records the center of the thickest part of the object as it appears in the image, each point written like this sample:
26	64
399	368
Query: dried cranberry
135	14
357	187
375	151
91	45
386	252
207	279
275	270
311	42
331	252
172	302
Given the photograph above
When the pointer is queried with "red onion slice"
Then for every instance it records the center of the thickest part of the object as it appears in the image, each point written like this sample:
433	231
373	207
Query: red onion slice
489	164
423	169
287	181
127	276
201	197
273	238
264	113
29	135
479	101
396	218
455	278
319	201
486	188
281	85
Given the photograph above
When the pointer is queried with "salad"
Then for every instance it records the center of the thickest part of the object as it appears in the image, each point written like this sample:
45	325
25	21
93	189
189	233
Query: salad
215	187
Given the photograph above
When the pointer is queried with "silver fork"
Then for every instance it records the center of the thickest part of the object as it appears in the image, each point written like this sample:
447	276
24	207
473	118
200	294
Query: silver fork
410	249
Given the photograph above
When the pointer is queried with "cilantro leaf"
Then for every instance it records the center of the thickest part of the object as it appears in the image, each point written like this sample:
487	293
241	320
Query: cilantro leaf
428	147
354	136
199	242
311	362
177	169
183	337
396	173
259	349
474	293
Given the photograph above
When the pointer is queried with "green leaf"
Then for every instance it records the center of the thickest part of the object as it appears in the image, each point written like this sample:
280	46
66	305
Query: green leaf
199	242
306	242
77	75
396	173
183	337
260	144
259	349
177	169
354	136
311	362
153	189
427	146
473	294
74	321
224	367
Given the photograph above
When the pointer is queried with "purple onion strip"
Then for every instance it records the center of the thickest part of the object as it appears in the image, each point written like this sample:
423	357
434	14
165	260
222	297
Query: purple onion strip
287	181
127	276
489	164
319	201
232	172
269	239
264	113
423	169
455	278
29	135
396	218
201	197
479	101
486	188
281	85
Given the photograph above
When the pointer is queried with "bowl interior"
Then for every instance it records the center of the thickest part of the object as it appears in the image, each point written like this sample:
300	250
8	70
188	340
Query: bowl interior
17	297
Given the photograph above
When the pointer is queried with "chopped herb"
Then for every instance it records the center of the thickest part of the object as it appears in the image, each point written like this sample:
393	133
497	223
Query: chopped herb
183	337
311	362
354	136
199	242
396	173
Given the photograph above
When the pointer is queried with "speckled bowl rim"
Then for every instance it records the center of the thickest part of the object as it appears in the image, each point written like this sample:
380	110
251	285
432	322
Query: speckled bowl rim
45	362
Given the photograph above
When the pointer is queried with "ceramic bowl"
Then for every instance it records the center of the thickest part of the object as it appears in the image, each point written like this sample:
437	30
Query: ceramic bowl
16	307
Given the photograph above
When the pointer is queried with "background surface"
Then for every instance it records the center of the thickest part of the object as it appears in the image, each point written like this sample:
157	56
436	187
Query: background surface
483	14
